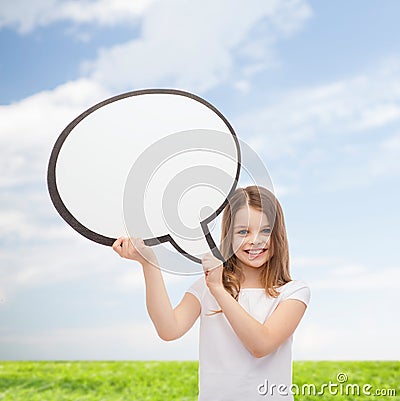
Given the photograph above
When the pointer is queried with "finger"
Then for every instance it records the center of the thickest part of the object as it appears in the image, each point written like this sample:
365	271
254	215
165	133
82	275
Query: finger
204	264
118	242
207	269
116	246
133	245
125	246
214	265
139	242
139	245
205	259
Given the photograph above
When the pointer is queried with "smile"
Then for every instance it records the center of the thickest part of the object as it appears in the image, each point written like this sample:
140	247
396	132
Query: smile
253	253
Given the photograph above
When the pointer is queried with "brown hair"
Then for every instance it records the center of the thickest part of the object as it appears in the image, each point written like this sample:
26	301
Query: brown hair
275	272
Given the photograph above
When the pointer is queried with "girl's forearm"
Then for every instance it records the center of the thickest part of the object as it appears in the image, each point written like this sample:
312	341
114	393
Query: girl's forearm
158	303
251	332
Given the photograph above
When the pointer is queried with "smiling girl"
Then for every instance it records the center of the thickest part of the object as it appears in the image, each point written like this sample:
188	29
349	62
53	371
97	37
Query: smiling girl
249	307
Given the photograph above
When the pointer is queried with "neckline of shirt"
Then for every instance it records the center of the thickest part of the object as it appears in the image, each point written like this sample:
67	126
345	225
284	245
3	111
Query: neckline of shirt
252	288
262	288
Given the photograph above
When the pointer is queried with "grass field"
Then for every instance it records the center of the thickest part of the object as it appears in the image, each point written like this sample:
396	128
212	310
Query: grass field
165	381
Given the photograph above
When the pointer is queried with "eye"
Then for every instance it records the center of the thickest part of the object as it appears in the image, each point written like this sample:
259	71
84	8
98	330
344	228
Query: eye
242	232
267	231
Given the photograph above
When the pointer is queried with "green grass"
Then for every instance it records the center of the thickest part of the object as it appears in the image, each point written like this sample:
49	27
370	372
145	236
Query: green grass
165	381
106	381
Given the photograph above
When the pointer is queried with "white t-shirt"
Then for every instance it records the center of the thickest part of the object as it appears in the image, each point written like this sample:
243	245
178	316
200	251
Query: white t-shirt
227	370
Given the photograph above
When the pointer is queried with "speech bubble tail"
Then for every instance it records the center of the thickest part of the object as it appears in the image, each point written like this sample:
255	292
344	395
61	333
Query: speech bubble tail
213	247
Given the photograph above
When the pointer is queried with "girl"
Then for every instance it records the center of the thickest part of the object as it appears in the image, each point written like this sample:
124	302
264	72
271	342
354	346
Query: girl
249	308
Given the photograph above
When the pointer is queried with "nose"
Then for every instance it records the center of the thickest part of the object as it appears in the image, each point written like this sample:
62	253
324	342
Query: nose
255	239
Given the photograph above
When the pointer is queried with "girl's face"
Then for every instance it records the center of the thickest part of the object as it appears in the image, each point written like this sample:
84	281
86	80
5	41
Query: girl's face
251	233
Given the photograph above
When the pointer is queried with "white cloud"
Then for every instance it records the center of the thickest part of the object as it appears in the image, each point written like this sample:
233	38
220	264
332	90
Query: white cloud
360	280
201	59
349	315
58	261
385	160
242	86
342	275
26	16
329	340
353	106
117	342
71	259
343	134
200	46
29	128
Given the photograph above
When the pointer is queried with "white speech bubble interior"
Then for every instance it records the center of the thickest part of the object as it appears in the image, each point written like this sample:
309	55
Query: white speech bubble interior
179	185
92	158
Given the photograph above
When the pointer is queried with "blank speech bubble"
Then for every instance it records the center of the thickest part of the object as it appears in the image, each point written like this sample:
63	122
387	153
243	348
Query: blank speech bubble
157	163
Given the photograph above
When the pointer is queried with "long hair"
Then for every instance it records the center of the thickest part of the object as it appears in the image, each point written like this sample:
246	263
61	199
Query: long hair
275	272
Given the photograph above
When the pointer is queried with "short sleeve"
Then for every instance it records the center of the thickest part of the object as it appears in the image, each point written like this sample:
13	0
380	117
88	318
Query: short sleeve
299	290
198	288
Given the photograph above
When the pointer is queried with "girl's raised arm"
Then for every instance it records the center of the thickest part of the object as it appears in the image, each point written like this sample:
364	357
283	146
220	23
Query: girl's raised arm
170	323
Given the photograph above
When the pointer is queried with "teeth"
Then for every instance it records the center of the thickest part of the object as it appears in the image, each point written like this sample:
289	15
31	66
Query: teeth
254	252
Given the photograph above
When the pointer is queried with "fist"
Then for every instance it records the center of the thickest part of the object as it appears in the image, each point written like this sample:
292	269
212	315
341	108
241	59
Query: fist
209	262
134	249
213	268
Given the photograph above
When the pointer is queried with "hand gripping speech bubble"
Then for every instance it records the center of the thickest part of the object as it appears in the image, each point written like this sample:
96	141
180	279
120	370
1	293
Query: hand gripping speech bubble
158	164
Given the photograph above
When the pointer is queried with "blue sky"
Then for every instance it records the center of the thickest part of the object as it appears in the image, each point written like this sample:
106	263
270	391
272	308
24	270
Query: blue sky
313	87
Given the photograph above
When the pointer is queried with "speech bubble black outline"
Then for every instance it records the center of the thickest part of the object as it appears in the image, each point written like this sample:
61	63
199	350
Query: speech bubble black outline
108	241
